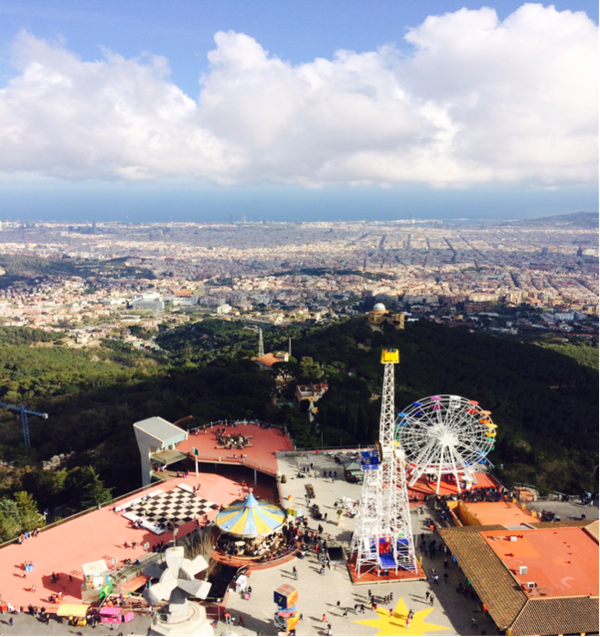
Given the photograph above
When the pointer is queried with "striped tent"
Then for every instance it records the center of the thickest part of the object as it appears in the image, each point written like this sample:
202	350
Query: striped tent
251	518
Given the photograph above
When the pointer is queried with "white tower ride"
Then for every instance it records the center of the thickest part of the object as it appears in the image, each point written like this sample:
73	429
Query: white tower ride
383	535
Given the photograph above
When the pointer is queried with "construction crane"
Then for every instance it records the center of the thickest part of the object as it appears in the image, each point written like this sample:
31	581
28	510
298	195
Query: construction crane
24	413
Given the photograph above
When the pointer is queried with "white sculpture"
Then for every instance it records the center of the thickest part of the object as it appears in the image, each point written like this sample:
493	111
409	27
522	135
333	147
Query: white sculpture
176	585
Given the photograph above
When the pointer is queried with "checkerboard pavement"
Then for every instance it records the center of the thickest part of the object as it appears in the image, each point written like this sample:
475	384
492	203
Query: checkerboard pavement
177	506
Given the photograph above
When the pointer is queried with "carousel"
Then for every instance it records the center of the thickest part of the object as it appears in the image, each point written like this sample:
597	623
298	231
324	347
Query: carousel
254	531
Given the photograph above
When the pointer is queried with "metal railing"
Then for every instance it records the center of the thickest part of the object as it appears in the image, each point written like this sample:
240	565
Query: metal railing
236	422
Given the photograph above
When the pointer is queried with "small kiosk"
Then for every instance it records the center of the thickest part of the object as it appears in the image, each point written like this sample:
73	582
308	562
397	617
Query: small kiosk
114	615
95	575
97	583
76	613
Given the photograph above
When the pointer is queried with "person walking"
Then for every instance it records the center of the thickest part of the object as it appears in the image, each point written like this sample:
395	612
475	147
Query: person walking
295	572
431	600
324	618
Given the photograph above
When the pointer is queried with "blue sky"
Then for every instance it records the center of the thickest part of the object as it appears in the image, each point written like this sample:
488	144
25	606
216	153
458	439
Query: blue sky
152	110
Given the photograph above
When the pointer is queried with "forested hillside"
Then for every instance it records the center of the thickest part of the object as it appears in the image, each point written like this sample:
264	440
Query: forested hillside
545	403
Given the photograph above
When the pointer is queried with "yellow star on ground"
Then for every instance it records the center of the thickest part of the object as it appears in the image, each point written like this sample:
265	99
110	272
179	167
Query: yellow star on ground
395	625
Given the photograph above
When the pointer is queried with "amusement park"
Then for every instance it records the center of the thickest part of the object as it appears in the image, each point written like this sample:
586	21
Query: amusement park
237	531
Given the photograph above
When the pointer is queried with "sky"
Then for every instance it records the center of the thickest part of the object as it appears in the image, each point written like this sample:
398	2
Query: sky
193	110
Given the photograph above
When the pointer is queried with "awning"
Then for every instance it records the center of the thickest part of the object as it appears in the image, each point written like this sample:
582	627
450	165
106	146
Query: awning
72	610
133	584
168	456
110	610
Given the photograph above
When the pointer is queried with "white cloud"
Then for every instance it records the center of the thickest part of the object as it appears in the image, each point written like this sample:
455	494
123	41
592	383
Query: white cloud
477	101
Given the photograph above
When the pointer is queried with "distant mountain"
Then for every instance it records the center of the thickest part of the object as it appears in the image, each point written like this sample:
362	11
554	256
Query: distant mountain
575	219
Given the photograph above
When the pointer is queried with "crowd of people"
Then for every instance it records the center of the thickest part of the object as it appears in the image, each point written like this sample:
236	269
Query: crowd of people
231	441
27	534
476	494
270	547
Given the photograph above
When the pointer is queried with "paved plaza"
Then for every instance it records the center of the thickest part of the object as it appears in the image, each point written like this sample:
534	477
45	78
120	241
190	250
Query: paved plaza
450	614
331	594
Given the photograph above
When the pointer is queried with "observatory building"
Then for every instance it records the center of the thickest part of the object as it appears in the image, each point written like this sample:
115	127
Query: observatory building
380	315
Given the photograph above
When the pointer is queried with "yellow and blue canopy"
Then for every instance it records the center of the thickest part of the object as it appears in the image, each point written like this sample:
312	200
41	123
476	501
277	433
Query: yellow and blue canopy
251	518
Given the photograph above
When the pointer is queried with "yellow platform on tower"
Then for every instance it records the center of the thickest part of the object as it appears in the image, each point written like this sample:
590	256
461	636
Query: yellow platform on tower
390	356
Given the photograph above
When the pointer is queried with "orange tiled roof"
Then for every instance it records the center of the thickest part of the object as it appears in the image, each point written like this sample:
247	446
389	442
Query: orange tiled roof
269	360
558	616
494	584
508	605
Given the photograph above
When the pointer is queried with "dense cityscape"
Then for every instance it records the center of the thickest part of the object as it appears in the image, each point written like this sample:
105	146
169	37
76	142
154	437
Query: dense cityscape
470	275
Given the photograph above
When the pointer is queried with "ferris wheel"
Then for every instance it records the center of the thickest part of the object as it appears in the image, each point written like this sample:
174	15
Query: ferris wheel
445	435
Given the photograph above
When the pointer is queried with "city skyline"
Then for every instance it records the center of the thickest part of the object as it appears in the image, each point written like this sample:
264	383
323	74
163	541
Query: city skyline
202	112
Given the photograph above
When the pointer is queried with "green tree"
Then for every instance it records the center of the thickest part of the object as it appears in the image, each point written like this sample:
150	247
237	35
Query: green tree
29	516
94	492
311	369
18	515
48	487
10	525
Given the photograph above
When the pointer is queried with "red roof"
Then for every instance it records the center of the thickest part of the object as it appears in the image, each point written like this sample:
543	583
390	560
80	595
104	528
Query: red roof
265	442
268	360
561	561
99	534
558	604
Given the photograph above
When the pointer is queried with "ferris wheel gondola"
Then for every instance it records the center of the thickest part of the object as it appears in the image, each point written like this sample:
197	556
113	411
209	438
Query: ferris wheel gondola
445	435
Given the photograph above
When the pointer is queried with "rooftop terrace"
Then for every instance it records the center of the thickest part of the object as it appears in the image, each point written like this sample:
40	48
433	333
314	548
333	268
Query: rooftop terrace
98	534
265	441
561	561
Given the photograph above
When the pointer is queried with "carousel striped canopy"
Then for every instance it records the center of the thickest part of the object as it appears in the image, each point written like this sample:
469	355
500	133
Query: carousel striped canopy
251	518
